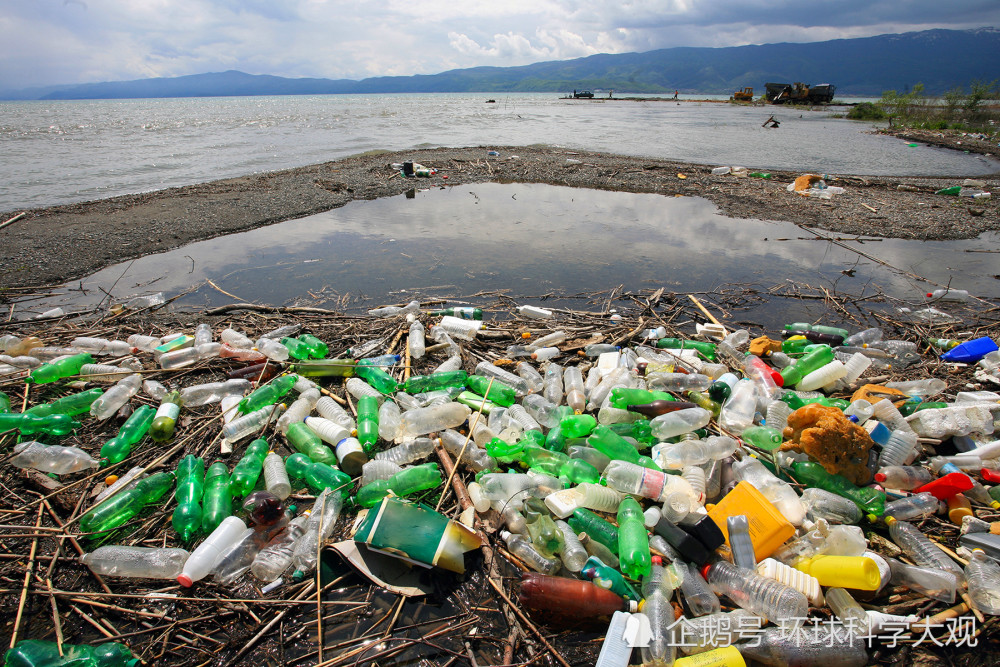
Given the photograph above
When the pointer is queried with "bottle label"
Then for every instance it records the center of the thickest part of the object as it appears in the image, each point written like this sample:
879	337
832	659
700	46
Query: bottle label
651	484
170	410
348	446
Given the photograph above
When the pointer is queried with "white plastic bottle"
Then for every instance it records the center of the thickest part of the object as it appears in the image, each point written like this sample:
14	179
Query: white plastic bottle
199	565
276	477
114	398
142	562
534	312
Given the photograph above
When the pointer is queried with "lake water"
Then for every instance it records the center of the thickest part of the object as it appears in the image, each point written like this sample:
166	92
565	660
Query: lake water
530	240
63	152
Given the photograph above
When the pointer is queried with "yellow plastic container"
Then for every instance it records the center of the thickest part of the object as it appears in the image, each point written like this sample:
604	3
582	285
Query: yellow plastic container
721	657
857	572
959	507
768	528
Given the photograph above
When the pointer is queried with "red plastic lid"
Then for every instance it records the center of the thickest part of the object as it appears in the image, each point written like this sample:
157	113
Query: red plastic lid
879	477
776	376
185	581
704	572
657	560
947	486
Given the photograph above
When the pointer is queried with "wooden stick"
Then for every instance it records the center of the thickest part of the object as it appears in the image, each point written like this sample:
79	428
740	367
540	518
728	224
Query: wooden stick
472	425
10	222
27	579
704	310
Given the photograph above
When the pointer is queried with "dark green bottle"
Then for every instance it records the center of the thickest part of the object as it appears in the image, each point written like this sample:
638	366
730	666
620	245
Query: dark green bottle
188	494
247	471
217	503
122	506
463	312
135	427
599	530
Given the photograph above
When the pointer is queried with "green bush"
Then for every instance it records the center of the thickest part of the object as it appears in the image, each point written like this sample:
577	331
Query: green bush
866	111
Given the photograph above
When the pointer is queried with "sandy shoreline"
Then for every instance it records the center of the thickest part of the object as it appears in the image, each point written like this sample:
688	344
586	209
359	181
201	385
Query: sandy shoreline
57	244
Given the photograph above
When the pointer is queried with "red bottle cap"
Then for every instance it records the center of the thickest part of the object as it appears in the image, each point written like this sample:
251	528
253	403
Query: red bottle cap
704	572
947	486
879	477
776	376
991	476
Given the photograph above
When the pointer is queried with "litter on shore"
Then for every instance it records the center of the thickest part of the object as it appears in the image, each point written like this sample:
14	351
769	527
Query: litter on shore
503	482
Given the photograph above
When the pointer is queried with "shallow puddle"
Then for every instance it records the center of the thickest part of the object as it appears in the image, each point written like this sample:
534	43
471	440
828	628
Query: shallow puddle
529	240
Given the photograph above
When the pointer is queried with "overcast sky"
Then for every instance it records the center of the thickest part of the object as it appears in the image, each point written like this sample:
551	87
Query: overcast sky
45	42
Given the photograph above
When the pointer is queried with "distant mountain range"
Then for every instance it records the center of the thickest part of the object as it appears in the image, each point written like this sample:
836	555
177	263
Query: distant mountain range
940	59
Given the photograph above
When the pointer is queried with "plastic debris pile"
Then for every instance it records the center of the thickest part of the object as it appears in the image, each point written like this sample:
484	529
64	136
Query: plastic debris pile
705	499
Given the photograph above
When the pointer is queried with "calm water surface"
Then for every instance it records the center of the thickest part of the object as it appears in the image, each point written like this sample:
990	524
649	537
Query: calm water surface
529	240
62	152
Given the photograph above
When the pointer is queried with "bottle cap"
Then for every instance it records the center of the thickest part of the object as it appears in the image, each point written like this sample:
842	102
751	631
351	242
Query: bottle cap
185	580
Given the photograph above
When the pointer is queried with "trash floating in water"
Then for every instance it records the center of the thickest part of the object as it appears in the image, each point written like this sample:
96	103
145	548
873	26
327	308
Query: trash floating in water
612	457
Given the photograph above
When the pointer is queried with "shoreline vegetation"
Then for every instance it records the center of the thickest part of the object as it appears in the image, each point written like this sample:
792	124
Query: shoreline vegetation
43	246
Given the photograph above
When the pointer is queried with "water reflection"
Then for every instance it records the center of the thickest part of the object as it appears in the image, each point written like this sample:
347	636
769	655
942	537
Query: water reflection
529	240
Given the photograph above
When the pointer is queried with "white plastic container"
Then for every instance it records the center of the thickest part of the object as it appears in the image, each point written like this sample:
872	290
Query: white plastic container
199	565
534	312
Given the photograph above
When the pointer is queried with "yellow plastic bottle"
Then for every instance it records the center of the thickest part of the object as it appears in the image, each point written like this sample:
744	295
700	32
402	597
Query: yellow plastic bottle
768	527
857	572
729	656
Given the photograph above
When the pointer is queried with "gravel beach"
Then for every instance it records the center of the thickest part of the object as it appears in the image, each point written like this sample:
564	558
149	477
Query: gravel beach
57	244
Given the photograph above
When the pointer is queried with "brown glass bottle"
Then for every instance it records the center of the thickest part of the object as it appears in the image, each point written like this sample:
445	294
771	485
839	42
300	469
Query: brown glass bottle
256	373
569	596
661	407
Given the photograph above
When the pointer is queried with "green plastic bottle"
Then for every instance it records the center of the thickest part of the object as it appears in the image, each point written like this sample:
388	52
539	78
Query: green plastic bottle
135	427
416	384
415	479
763	437
296	348
367	423
318	476
702	400
622	397
542	459
796	346
304	440
818	356
41	653
703	348
376	377
633	541
476	402
325	368
585	521
504	451
247	470
953	190
463	312
30	424
4	402
499	393
188	493
612	445
267	394
870	501
543	531
577	426
317	348
609	578
124	505
578	471
57	370
372	493
165	421
818	328
760	174
217	503
72	405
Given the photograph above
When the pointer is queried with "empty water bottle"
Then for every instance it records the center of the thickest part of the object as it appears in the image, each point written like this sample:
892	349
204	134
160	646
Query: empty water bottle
114	398
141	562
51	458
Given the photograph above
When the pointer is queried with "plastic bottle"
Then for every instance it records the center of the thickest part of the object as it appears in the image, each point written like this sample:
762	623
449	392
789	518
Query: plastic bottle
899	450
437	418
473	457
408	452
118	509
739	541
917	506
199	565
653	484
267	394
272	561
822	504
927	581
28	423
113	399
904	478
693	452
141	562
252	422
983	577
805	583
217	502
213	392
102	346
187	515
764	597
57	370
633	542
247	471
276	477
41	653
132	431
829	644
920	549
700	597
868	500
657	590
162	428
948	294
302	438
51	458
778	492
568	596
738	410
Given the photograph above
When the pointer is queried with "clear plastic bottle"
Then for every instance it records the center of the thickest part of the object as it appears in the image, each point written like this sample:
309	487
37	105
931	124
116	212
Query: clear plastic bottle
322	519
376	470
525	550
212	392
856	365
189	355
828	644
765	597
199	565
695	476
573	555
330	409
416	340
927	581
777	415
298	410
864	337
900	449
408	452
52	458
888	414
904	478
822	504
693	452
271	349
850	613
657	590
235	339
917	506
738	411
700	597
543	411
141	562
983	577
552	383
532	378
472	456
101	373
437	418
520	385
653	484
679	422
276	477
272	561
775	490
576	397
389	420
741	543
920	549
452	363
114	398
251	423
102	346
